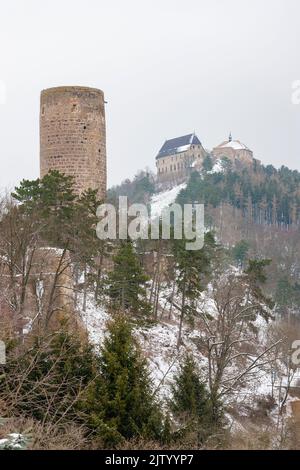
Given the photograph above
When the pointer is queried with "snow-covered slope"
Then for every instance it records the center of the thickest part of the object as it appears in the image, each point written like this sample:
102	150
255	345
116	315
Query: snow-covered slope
163	199
159	344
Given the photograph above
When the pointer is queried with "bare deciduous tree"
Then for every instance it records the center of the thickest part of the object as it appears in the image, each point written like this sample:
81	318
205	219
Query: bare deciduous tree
228	336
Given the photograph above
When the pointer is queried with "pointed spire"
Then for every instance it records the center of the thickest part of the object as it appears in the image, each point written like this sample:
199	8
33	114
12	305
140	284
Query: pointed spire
230	137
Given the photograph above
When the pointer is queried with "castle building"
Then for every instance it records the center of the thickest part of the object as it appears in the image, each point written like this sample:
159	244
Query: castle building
234	150
73	135
177	157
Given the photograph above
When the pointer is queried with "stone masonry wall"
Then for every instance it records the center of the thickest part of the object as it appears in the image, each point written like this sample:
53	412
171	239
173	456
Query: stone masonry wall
73	135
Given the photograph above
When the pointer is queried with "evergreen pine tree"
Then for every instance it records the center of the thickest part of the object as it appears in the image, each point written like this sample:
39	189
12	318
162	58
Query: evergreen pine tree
193	268
190	398
49	377
63	219
256	278
127	282
122	399
190	402
51	200
240	251
207	163
54	193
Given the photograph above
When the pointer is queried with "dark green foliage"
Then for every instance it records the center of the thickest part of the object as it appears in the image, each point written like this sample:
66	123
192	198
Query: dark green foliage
240	251
207	163
226	163
194	267
83	238
190	403
270	196
138	190
189	395
60	380
51	201
287	293
46	380
122	399
127	282
167	434
144	185
256	278
53	194
62	215
256	271
62	218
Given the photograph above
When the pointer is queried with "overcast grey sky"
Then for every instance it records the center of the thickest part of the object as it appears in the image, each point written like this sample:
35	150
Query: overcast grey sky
167	68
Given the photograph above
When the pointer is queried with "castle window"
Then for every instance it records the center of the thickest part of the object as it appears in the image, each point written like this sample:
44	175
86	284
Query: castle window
43	111
74	108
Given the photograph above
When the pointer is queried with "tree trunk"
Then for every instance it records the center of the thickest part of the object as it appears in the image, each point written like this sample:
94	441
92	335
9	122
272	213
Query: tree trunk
181	315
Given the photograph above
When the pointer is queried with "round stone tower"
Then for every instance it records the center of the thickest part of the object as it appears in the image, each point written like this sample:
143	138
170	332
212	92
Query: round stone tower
72	135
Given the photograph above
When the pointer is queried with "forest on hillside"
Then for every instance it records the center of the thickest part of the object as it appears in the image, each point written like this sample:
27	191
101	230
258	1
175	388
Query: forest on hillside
264	194
262	204
122	344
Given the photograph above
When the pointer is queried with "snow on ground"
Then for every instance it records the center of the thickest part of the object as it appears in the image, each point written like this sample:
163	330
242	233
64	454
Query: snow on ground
159	345
95	319
13	441
217	168
163	199
207	304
